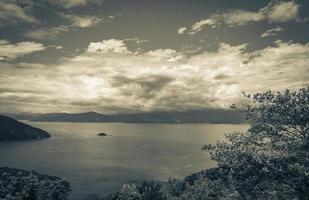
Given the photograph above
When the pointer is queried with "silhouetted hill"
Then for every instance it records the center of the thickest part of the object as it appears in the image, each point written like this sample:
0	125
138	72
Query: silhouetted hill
11	129
192	116
76	117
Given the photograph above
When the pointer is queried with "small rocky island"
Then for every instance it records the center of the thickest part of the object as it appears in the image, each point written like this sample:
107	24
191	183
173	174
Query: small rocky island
102	134
11	129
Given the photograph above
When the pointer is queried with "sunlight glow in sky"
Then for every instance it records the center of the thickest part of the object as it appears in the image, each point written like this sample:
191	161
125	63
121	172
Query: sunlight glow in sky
133	56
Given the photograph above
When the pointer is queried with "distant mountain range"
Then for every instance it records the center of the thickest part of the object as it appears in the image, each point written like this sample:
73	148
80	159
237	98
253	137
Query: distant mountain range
11	129
216	116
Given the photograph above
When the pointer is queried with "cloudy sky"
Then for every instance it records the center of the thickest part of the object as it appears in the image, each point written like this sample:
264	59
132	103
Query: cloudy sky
127	56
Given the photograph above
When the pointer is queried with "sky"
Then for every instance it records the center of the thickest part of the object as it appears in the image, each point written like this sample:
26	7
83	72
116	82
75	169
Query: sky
128	56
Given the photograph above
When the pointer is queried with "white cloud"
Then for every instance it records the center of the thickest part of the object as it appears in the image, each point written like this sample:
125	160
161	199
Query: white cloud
166	54
82	21
275	12
59	47
117	80
52	33
198	26
10	51
181	30
47	33
108	46
11	13
135	40
69	3
239	17
272	32
280	11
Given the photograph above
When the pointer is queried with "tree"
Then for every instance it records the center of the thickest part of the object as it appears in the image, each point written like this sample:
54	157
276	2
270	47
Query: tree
270	160
145	190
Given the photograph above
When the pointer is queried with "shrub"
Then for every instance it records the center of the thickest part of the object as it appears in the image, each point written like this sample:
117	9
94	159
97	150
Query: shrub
18	184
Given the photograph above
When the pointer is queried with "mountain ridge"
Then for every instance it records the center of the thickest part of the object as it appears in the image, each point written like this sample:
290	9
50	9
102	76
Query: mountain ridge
215	116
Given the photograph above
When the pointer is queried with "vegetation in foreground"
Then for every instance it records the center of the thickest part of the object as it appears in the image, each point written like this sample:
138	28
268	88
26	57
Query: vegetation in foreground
16	184
269	161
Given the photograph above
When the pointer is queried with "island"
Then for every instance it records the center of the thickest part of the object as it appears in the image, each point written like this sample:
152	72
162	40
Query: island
11	129
102	134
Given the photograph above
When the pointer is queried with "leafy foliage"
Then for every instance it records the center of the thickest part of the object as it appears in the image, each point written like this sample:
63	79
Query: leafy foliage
139	191
270	160
18	184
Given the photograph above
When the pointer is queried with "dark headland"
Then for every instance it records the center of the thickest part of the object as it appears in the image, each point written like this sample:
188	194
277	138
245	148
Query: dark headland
11	129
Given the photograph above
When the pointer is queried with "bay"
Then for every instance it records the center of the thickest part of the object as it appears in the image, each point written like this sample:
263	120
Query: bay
131	152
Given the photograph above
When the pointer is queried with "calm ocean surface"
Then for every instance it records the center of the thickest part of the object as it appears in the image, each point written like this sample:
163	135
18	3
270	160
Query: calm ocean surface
94	164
